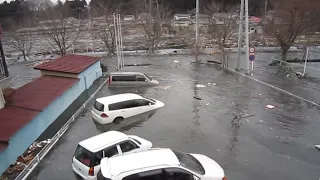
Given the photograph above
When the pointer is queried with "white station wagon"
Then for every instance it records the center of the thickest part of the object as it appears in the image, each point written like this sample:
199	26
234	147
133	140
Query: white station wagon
87	157
160	164
118	107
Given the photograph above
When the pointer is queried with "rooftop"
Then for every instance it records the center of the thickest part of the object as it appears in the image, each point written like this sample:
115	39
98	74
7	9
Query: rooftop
26	102
94	143
118	98
131	161
72	63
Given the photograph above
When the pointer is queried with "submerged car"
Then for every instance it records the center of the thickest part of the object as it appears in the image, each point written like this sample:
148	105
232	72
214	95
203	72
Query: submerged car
162	164
130	79
87	156
118	107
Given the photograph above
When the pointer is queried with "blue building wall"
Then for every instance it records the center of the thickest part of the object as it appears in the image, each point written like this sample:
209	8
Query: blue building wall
28	134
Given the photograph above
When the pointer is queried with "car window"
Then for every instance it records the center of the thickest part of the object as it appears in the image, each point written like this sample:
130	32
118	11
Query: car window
147	175
148	77
83	155
123	78
98	106
127	146
178	174
122	105
135	140
140	78
111	151
189	162
97	158
142	102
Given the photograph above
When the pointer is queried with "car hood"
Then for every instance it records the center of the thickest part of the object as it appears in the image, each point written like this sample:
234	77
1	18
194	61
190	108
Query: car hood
212	169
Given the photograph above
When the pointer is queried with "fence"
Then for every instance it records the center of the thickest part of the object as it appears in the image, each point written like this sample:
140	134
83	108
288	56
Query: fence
312	69
37	159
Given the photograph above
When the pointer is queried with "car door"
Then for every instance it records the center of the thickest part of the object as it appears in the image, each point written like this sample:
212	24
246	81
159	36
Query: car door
128	146
107	152
178	174
156	174
144	105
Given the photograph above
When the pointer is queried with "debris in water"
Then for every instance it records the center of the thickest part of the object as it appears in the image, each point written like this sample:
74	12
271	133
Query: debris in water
197	98
317	147
200	86
260	94
176	61
208	103
214	84
209	83
270	106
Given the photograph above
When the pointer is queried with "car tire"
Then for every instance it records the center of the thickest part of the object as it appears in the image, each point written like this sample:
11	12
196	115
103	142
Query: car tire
118	120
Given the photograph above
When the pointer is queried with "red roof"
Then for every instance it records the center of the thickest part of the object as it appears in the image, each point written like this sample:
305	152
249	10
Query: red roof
28	101
39	93
72	63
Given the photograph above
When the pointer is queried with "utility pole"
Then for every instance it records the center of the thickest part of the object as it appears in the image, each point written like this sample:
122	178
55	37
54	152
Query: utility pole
247	35
116	37
240	35
3	63
197	28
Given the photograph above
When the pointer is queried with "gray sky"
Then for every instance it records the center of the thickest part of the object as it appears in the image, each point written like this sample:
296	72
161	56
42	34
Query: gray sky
54	1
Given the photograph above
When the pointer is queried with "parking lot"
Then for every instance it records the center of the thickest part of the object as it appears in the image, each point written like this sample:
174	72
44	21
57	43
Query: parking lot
265	144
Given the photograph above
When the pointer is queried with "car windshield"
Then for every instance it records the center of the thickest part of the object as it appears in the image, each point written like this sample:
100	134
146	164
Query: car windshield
189	162
152	100
148	77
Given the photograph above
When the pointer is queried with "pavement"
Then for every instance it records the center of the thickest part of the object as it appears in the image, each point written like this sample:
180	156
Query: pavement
265	144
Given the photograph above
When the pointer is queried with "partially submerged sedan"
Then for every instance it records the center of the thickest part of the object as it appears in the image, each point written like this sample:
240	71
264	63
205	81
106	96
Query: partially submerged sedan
118	107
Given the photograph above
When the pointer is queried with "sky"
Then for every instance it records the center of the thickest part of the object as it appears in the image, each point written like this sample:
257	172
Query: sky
54	1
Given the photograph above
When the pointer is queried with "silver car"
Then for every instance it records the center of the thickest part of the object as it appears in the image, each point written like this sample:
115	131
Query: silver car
130	79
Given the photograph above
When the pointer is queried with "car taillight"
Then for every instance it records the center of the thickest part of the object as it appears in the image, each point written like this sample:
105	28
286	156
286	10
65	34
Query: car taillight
224	178
109	80
91	171
103	115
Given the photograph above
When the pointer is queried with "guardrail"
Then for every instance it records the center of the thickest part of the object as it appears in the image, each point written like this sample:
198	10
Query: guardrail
37	159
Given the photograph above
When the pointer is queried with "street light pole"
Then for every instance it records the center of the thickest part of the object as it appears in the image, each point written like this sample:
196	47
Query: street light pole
240	35
197	28
247	35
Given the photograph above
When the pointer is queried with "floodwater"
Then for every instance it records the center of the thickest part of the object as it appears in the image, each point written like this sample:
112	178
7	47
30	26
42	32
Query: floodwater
266	144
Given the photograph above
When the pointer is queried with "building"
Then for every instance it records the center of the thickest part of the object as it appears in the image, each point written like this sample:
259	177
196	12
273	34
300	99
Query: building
32	108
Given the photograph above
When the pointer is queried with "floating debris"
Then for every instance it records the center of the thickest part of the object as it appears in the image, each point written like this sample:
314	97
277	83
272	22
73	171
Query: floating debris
270	106
197	98
176	61
317	147
200	86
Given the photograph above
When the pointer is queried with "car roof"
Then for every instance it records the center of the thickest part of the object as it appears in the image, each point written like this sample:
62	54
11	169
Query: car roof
138	160
118	98
126	73
96	142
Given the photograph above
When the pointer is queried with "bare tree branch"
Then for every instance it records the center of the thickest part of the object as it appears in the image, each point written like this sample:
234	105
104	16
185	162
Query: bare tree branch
60	32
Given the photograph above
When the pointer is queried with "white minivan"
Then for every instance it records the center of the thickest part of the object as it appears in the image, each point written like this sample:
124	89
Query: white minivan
117	107
87	156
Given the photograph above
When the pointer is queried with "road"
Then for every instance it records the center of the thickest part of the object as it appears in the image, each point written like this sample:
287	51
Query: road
272	144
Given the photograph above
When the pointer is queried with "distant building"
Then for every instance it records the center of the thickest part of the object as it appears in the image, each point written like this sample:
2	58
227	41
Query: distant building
182	17
129	18
144	16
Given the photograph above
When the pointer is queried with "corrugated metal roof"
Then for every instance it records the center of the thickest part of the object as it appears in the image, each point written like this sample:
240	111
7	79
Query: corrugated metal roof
72	63
39	93
28	101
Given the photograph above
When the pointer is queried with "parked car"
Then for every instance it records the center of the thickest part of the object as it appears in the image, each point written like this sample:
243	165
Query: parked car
130	79
162	164
118	107
87	156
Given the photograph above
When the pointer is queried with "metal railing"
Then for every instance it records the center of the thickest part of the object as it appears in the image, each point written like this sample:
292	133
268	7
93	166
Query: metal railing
37	159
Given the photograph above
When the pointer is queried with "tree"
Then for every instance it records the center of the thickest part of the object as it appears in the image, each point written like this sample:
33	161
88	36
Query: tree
20	39
106	31
222	26
291	19
59	31
151	26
